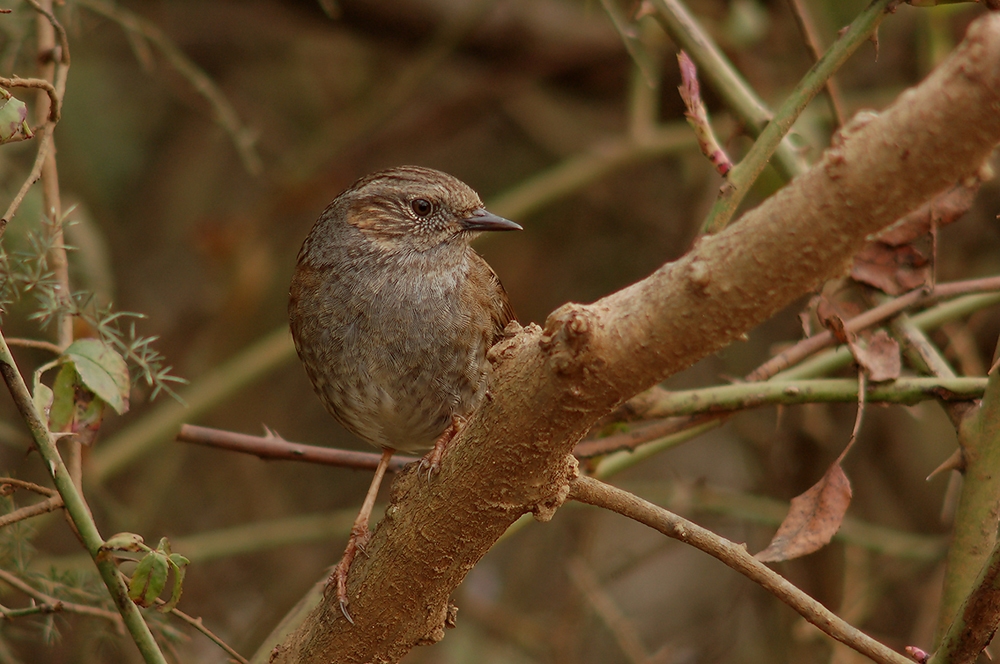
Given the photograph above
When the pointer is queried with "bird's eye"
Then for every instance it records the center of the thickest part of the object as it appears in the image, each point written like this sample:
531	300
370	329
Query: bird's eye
421	207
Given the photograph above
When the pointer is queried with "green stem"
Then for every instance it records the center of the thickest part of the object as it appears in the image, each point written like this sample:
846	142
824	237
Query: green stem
975	531
77	508
906	390
720	73
819	365
977	621
745	173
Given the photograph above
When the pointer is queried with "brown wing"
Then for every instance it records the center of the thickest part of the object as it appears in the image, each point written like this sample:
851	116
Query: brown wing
494	296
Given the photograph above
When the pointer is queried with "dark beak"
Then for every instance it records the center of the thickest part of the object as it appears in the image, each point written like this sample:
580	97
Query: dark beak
481	220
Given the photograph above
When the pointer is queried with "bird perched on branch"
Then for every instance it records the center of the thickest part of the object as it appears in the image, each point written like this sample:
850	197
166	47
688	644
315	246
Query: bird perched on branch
392	314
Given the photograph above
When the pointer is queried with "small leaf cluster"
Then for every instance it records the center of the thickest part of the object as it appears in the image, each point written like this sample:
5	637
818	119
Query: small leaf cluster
152	571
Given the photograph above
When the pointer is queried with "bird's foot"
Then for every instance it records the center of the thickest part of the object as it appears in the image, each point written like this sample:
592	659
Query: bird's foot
431	462
355	543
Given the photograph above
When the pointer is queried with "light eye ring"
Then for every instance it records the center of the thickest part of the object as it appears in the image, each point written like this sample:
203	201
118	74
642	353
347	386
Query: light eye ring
421	207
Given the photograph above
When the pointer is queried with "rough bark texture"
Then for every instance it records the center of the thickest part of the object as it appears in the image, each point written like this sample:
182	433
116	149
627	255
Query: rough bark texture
551	385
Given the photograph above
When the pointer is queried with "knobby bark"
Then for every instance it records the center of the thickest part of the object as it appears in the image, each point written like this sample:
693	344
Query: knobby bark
551	385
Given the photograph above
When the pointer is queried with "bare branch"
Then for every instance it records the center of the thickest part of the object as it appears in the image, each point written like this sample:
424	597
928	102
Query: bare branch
593	492
275	447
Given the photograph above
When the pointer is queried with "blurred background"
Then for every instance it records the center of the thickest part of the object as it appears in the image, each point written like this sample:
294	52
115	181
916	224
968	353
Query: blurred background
538	106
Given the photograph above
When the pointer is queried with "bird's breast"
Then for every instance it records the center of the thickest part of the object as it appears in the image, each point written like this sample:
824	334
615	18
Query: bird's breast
394	350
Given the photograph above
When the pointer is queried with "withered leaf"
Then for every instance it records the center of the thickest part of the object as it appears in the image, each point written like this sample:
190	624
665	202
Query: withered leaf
878	357
813	518
892	269
945	208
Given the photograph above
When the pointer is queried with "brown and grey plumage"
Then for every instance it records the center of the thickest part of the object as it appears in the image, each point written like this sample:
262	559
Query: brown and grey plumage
392	314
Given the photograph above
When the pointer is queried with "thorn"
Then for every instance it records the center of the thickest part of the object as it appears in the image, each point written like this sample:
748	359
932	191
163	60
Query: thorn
955	462
271	434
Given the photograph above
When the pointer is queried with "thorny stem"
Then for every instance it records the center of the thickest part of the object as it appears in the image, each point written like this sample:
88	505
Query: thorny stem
745	173
53	57
716	69
975	530
77	508
832	91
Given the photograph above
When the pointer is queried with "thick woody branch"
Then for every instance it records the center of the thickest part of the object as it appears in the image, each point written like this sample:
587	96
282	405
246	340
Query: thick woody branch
551	385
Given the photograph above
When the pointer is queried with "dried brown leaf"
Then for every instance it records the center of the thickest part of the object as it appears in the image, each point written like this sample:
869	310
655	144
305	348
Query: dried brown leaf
945	208
813	518
892	269
878	357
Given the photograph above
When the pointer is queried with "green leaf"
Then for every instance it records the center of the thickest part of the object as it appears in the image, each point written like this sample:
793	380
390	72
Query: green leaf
42	398
178	563
149	579
13	120
63	399
102	371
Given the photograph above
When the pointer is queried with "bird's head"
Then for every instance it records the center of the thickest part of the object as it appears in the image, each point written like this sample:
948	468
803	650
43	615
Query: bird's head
411	208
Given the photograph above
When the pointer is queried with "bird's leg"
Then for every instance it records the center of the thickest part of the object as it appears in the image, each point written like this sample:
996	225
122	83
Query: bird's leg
359	534
432	460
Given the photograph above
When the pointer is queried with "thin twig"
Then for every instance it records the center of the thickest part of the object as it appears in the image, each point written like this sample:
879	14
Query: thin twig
22	484
686	32
594	492
28	511
35	343
225	114
52	502
51	39
857	418
200	626
689	408
831	90
60	32
888	309
275	447
44	145
58	604
817	342
40	84
639	447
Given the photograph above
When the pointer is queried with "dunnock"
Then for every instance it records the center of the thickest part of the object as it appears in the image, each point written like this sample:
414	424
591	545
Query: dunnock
392	313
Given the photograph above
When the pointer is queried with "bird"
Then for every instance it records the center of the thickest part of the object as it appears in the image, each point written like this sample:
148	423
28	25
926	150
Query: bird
392	314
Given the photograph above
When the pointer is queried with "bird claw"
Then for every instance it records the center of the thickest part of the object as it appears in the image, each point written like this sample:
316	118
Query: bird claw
343	609
432	466
338	578
432	460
